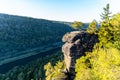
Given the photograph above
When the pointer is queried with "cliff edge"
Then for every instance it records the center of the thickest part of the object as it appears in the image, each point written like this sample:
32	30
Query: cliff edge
76	44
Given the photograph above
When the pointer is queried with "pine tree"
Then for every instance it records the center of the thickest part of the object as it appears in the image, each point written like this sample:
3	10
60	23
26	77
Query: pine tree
106	15
105	33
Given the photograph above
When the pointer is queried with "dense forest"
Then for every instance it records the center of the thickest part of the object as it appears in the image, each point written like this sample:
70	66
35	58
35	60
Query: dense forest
33	70
24	35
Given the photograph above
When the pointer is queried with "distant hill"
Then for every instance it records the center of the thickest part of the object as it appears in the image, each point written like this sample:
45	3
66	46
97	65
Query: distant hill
25	35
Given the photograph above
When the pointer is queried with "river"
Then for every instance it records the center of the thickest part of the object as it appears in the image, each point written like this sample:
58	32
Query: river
6	67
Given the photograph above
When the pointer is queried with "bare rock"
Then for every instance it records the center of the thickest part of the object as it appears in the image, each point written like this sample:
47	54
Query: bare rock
76	44
73	36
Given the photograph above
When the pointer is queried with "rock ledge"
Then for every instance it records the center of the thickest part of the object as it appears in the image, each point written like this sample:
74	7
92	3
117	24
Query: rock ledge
76	44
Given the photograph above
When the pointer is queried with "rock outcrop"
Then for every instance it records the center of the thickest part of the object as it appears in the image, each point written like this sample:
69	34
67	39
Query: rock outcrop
76	44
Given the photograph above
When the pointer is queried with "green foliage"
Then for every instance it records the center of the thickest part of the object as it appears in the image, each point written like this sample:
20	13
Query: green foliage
109	31
116	30
31	71
110	34
106	15
104	33
92	28
101	64
77	25
49	69
21	34
55	72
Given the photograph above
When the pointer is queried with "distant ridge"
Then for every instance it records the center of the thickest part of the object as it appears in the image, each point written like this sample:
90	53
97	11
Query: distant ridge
19	35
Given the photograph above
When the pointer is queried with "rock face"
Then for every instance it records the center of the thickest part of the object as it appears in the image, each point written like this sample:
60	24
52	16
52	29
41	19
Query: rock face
76	44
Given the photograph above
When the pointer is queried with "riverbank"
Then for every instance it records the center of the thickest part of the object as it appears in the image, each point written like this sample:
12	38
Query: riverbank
7	66
29	52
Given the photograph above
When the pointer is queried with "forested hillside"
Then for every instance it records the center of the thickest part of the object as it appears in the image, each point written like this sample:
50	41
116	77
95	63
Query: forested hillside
33	70
24	35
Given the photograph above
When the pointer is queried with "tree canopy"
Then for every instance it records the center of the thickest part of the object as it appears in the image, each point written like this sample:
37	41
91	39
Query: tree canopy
77	25
103	63
92	28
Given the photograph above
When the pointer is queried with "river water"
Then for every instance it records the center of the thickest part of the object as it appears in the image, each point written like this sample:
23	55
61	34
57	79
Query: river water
6	67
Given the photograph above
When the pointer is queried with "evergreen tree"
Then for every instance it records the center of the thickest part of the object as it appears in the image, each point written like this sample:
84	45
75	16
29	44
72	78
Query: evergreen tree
105	32
106	15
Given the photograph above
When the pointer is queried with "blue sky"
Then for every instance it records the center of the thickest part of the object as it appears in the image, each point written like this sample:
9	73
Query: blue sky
61	10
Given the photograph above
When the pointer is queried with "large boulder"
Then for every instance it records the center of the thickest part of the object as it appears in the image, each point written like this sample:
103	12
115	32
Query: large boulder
76	44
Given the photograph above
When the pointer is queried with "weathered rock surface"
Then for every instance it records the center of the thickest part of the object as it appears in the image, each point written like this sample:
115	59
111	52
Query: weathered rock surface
76	44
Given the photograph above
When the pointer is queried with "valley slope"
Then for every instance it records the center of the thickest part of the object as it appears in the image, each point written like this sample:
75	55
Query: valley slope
24	36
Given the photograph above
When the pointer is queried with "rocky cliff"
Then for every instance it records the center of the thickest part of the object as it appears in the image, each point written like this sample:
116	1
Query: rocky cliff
76	44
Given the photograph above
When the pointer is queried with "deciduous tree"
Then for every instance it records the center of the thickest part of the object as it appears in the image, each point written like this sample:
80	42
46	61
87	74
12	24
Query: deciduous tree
77	25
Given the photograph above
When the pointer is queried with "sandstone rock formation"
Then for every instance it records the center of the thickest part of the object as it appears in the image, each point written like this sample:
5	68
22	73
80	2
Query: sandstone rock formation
76	44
